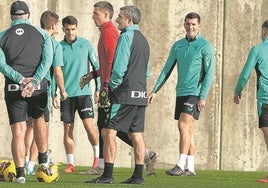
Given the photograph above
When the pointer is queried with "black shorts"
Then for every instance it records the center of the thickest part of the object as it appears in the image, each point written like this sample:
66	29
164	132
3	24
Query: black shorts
47	115
126	118
263	114
19	108
103	115
187	104
83	104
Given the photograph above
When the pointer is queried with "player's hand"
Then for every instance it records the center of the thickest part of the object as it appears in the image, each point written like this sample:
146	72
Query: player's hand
56	102
26	81
63	95
104	101
237	98
96	96
201	105
151	97
28	89
85	80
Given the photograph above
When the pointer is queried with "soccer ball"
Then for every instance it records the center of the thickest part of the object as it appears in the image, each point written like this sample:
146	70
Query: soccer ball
9	171
48	175
2	165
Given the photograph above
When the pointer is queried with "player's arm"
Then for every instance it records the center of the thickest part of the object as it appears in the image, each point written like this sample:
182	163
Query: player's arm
209	68
57	72
8	71
94	64
120	64
46	62
245	74
164	75
166	71
110	42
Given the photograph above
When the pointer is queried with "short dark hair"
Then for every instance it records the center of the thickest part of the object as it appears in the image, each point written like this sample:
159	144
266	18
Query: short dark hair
71	20
193	15
105	5
48	18
132	13
265	24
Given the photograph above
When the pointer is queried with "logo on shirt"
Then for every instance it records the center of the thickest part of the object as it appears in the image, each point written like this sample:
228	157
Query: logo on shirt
138	94
19	31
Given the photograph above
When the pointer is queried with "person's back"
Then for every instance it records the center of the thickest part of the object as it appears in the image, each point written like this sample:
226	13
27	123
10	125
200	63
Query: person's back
134	81
258	59
26	60
22	45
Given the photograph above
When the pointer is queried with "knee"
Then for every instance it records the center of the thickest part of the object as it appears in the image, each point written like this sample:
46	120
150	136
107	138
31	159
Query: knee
182	126
107	134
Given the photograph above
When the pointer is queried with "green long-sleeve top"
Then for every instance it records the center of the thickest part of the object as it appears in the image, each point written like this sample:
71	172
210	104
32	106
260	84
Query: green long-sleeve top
195	65
258	59
78	58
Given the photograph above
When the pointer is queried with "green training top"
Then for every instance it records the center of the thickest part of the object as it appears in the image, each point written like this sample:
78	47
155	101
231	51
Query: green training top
57	62
258	59
195	66
77	58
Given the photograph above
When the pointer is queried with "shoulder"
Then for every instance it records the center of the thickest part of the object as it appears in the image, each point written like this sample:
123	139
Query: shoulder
179	43
42	32
56	44
84	41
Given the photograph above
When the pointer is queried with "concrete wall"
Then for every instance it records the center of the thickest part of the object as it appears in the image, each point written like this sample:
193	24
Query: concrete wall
227	135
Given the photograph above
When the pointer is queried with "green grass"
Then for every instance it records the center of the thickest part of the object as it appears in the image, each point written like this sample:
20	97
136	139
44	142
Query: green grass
203	179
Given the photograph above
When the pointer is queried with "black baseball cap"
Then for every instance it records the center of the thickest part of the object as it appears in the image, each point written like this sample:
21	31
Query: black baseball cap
19	8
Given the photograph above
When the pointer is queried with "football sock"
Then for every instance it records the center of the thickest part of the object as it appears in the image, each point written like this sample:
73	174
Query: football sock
147	156
30	165
182	161
101	163
27	158
96	150
138	171
108	170
95	162
190	163
20	172
70	159
42	158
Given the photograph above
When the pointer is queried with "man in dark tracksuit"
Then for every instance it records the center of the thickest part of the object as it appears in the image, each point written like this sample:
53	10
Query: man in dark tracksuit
128	95
25	58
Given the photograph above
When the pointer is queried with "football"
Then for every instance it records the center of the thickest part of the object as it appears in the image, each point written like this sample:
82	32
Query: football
2	165
9	171
48	175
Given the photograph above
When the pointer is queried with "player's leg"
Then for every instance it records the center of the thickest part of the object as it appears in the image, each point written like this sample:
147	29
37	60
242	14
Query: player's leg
136	133
40	136
28	140
31	154
93	139
86	112
109	143
67	109
185	108
18	147
68	140
189	169
149	156
37	105
263	125
17	113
